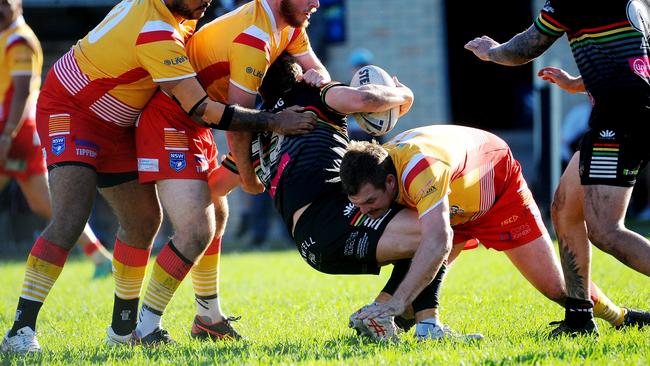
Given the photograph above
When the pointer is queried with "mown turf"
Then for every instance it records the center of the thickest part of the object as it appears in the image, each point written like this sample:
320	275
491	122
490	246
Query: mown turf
292	314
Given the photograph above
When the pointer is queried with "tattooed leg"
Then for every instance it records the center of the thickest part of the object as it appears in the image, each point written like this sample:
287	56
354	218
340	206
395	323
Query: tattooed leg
571	231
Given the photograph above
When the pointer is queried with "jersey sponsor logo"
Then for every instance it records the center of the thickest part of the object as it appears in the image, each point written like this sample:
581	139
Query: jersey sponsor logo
307	254
349	209
607	134
177	161
510	220
257	73
175	61
86	152
428	190
148	165
86	143
640	66
58	145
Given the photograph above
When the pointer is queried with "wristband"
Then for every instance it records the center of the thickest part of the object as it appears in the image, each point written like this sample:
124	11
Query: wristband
226	117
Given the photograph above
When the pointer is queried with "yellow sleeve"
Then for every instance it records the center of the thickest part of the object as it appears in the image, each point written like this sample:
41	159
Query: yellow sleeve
298	42
248	64
21	58
426	182
162	54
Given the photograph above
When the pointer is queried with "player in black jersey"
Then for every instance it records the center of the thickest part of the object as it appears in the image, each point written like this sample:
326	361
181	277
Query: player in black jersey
609	40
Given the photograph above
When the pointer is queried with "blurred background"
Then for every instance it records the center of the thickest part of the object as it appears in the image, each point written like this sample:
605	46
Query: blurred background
420	41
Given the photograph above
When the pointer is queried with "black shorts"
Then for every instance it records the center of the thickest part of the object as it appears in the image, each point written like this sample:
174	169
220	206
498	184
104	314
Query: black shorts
613	152
334	237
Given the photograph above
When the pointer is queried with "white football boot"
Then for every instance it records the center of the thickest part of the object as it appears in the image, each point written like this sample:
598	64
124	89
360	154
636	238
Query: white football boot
23	342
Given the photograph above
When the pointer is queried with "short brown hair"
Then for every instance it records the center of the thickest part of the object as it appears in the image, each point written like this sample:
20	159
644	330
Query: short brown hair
365	162
281	76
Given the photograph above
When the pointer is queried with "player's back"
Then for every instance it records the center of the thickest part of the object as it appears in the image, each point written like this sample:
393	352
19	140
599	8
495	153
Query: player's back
439	160
297	169
21	55
113	69
609	41
238	47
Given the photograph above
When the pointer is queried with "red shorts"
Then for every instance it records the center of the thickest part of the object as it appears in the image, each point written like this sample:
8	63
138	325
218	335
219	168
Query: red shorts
513	220
25	156
172	146
72	134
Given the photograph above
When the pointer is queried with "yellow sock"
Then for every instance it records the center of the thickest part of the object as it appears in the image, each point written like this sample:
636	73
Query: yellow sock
44	265
604	308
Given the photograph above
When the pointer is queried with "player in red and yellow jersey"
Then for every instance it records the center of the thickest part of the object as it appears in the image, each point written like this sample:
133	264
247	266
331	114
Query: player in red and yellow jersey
466	188
85	118
231	55
20	149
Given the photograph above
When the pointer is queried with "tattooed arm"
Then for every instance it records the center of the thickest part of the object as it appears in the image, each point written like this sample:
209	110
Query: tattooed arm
520	49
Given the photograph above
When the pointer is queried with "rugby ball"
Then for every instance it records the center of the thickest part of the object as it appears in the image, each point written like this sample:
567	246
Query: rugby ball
378	123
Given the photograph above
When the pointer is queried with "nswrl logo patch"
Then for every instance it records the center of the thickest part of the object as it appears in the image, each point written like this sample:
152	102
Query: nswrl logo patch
58	145
177	161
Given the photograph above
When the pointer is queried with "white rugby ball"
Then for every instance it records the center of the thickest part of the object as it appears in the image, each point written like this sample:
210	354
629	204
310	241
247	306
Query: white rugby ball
378	123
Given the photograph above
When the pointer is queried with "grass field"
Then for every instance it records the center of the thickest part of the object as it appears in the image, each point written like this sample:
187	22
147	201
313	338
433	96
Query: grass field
292	314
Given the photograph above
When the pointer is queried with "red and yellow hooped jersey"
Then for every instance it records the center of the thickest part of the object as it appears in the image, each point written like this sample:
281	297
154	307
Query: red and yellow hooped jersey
113	71
21	55
237	48
445	160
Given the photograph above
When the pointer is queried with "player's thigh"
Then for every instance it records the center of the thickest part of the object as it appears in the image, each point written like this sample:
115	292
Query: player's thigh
188	206
401	237
537	262
605	206
37	194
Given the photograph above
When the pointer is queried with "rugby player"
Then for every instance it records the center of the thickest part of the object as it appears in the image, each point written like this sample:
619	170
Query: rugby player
85	118
609	42
231	55
334	236
20	149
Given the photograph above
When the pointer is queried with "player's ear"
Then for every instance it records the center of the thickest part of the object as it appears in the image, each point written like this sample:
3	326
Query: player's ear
391	182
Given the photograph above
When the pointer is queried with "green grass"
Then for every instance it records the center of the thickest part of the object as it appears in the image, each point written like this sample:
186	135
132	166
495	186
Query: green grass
292	314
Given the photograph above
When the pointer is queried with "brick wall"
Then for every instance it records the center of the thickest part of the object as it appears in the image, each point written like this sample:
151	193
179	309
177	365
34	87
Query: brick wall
407	39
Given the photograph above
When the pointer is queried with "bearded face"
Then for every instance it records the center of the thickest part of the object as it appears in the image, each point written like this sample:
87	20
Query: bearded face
297	12
189	9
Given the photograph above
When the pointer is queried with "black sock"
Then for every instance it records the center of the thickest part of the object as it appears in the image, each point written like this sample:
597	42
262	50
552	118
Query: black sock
125	315
399	271
26	314
428	298
578	312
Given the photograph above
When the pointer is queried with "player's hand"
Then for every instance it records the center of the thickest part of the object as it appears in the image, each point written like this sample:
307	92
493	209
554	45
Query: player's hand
5	146
314	78
251	184
293	121
481	47
408	93
569	83
392	307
